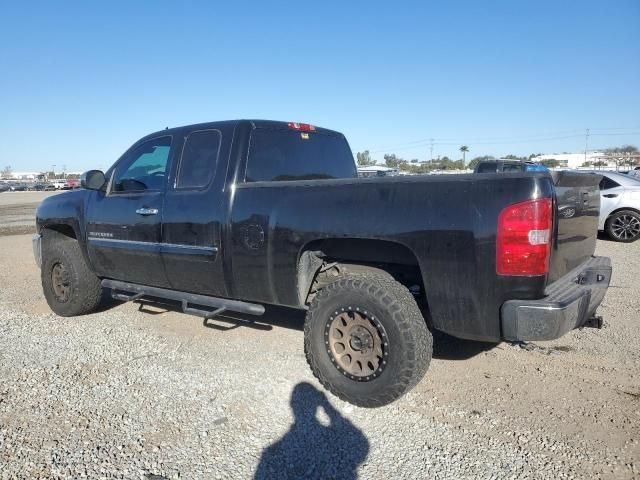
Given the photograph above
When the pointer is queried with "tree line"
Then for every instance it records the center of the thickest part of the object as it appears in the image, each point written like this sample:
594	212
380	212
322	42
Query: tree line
626	155
440	163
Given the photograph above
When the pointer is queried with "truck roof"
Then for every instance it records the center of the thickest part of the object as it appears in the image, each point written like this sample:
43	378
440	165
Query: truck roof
274	124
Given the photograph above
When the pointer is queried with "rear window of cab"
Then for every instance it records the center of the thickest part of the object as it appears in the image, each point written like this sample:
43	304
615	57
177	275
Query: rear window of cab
277	155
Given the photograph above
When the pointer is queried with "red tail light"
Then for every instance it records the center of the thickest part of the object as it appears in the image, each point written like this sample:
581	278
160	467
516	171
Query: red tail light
303	127
523	243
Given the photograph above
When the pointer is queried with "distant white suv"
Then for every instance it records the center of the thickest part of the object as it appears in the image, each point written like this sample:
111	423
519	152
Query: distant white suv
59	184
620	206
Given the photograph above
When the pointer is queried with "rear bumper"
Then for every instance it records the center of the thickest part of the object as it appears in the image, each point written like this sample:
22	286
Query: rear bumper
568	304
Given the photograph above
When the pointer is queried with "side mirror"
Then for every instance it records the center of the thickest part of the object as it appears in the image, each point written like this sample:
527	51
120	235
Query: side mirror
92	180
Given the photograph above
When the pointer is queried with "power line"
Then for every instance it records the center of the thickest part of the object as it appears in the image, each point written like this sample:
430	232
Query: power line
487	141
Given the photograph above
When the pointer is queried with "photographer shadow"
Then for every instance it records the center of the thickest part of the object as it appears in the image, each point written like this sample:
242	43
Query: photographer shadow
333	448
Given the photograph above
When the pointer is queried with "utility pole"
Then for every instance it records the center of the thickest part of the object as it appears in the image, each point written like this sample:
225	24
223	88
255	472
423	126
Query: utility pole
431	149
586	145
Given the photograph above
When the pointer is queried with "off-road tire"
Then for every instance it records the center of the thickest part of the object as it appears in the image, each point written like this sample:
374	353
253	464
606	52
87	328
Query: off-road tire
610	225
84	291
410	344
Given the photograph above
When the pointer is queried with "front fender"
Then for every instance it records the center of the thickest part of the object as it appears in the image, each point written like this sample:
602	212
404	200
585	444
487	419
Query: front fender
64	213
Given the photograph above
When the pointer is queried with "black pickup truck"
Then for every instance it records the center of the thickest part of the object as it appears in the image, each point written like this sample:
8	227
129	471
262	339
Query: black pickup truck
228	216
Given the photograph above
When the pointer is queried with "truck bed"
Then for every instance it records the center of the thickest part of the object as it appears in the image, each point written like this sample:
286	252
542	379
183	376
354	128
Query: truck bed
445	223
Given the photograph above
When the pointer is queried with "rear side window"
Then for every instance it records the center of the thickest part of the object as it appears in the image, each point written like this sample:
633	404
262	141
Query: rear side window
199	159
511	167
606	183
487	168
280	155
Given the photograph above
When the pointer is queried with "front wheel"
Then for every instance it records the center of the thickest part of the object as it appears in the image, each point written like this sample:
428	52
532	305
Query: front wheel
69	286
366	340
624	226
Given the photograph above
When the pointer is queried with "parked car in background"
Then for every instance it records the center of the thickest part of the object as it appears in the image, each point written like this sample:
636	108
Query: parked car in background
506	165
59	183
4	187
619	206
377	171
19	187
71	183
635	172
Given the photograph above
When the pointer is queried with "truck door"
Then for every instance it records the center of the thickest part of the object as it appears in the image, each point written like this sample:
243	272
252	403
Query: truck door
194	213
123	223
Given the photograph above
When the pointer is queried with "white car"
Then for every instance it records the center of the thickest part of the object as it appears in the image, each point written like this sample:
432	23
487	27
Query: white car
59	184
620	206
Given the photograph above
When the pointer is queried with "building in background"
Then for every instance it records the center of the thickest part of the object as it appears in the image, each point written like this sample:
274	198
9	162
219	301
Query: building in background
22	176
626	158
575	160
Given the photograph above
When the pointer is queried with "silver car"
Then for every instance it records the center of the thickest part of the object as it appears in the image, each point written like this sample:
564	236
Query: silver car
619	206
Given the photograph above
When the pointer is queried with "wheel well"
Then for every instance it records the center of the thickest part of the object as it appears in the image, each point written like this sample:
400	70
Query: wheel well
606	222
623	208
63	229
323	261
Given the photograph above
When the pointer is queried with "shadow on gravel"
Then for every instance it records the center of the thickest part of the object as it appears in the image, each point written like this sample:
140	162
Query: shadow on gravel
314	449
446	347
603	236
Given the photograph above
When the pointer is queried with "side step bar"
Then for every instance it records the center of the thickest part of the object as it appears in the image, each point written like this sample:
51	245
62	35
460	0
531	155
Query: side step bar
134	291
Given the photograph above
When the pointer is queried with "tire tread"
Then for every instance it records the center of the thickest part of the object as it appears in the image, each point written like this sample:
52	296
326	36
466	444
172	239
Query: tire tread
88	297
404	311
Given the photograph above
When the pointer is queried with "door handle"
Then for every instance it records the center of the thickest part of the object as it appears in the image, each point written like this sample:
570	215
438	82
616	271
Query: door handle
610	195
585	198
147	211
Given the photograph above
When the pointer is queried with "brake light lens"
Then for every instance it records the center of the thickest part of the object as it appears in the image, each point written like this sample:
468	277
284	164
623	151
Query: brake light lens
303	127
523	243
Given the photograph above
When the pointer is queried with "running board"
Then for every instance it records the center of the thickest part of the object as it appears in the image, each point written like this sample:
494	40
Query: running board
134	291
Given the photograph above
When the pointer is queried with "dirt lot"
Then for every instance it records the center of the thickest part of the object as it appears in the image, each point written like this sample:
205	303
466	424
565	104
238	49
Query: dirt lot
17	210
142	392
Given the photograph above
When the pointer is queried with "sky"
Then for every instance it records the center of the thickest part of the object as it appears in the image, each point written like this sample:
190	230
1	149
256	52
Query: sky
81	81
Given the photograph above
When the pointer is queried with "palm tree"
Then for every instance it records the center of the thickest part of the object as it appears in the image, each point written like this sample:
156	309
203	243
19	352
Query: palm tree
464	149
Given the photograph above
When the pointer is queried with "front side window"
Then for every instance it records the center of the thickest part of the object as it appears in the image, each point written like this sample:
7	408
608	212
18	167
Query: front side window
144	168
278	155
199	159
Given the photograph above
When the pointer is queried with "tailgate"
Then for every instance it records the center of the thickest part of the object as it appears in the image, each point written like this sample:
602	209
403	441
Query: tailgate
577	210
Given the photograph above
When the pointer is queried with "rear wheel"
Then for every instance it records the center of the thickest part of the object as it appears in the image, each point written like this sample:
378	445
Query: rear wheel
624	226
69	286
366	340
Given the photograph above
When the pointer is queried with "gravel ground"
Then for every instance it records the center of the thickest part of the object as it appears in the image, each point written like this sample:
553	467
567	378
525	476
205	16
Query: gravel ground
141	392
